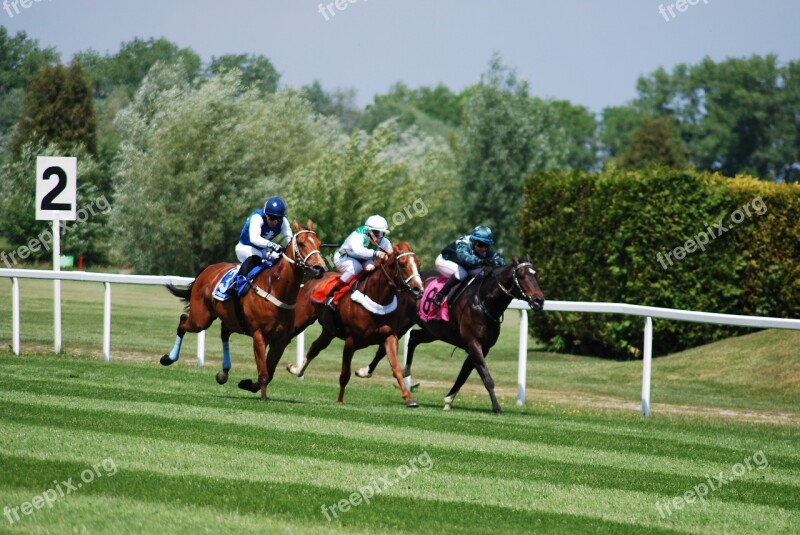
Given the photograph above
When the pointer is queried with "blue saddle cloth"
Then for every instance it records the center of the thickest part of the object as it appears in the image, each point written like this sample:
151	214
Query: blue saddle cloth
232	284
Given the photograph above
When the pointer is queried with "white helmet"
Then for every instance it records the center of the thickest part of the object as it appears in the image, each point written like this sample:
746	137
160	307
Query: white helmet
377	223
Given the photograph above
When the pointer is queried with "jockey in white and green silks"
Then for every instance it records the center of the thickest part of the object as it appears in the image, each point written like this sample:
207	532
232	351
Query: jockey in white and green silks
360	250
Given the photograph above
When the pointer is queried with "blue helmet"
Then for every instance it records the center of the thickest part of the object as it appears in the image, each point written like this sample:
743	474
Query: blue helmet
275	207
483	234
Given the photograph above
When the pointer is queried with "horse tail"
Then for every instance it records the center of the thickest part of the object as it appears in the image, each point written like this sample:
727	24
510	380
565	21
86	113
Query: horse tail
184	293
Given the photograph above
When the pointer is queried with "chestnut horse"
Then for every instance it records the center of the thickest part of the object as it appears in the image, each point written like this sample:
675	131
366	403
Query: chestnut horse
267	311
475	317
358	327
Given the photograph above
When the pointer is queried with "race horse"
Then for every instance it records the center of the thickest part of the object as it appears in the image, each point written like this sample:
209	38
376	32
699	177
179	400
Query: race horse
266	312
474	323
393	283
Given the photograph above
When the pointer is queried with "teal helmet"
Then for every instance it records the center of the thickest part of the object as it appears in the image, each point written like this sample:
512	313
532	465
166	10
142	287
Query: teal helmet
483	234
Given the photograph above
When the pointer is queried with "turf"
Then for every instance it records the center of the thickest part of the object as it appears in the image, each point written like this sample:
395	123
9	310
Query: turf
173	452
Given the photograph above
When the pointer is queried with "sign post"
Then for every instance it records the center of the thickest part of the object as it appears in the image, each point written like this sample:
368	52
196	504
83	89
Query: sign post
56	200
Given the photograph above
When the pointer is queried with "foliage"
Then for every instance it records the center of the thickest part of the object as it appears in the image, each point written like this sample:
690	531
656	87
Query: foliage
504	137
403	175
128	67
654	143
18	224
257	71
195	161
20	59
340	103
580	135
737	116
435	111
605	239
58	109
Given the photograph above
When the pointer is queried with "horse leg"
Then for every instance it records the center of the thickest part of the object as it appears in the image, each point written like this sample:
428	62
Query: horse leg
367	371
479	361
259	348
466	369
390	346
344	377
222	375
276	348
192	323
419	336
322	341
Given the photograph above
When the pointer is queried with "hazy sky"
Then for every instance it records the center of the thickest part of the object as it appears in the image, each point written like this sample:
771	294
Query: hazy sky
588	51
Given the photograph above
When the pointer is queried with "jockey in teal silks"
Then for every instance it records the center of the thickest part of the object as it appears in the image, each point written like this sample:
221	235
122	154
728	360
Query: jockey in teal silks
464	258
360	250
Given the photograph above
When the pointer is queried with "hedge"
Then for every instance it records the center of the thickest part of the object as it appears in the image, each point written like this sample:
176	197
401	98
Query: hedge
637	237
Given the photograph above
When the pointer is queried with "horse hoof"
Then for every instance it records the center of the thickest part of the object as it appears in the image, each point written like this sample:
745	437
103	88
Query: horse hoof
411	404
497	410
222	377
364	372
448	402
291	368
250	386
166	361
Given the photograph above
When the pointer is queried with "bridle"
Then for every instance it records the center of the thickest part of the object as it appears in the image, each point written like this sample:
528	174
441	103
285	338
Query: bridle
302	262
528	299
405	287
508	291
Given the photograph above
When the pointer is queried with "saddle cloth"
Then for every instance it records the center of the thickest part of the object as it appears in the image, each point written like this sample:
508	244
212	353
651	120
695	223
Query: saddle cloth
428	310
231	285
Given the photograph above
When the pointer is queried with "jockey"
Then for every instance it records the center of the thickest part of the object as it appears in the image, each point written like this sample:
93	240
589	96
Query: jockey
360	250
259	232
465	257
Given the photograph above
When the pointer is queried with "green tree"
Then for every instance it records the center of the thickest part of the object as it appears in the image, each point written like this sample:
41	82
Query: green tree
435	111
505	136
737	116
616	127
340	103
20	58
404	175
654	143
58	109
196	160
18	225
257	72
580	132
128	67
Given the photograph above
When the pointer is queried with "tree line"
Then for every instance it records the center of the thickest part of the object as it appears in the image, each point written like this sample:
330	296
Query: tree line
183	150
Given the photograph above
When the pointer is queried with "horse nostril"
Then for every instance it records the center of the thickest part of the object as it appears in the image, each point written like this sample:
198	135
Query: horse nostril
538	302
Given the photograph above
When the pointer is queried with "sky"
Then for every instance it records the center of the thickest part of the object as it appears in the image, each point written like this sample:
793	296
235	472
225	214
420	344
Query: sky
590	52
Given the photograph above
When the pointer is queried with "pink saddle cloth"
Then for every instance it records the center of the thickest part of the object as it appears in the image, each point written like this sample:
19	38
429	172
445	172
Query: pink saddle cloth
428	310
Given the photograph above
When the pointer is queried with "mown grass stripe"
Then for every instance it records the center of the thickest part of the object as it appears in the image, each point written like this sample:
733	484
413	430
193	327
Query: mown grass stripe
174	458
659	443
532	452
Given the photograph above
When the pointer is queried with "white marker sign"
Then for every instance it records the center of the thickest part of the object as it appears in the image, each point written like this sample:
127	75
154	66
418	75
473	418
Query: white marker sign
56	188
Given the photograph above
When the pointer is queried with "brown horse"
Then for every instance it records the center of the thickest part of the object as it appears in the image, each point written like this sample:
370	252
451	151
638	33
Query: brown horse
475	317
358	327
266	313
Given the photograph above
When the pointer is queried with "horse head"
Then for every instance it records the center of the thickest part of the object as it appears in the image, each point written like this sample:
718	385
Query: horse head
524	283
404	267
303	249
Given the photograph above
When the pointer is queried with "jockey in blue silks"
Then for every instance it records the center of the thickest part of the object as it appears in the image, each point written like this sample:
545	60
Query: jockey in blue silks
260	230
464	258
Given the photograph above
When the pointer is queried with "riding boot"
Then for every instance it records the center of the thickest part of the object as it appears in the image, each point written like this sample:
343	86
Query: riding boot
336	287
447	289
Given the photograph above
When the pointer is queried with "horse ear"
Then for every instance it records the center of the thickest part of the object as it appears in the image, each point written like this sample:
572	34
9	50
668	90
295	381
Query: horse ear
528	259
295	225
309	224
515	259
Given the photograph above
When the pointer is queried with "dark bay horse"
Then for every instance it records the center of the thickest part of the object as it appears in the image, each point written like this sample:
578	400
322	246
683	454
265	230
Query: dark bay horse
267	310
397	275
475	317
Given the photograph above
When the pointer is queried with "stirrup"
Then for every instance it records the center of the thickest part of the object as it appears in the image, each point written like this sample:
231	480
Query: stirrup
438	299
